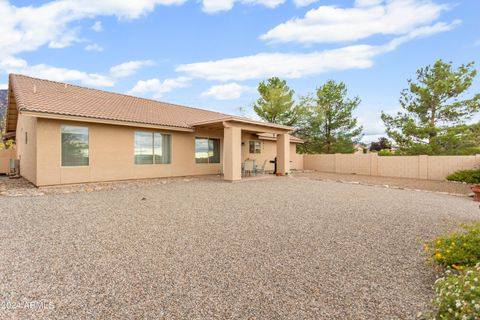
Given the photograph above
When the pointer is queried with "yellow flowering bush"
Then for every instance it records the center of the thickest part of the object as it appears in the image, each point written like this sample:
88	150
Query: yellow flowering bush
457	295
458	250
7	144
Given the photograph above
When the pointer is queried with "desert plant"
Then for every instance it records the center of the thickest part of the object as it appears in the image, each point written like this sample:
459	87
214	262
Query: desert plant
458	250
380	144
7	144
385	152
457	295
468	176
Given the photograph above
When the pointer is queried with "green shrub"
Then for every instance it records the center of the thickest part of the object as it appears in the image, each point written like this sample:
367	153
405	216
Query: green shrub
457	296
465	151
468	176
385	152
7	144
457	250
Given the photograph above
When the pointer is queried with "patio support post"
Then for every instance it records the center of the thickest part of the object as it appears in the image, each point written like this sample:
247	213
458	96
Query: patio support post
232	145
283	154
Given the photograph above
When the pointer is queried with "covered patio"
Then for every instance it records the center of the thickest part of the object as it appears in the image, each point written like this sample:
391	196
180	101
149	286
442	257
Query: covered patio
233	129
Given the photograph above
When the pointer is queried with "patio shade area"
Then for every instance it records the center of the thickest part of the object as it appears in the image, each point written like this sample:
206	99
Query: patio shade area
232	142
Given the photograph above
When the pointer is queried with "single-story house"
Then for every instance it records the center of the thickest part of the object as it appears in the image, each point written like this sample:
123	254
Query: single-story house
70	134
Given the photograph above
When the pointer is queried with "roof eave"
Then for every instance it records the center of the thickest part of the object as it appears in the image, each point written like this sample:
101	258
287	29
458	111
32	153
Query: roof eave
56	116
243	120
292	139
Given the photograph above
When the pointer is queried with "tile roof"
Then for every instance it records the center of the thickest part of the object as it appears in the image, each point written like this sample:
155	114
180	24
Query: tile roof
45	96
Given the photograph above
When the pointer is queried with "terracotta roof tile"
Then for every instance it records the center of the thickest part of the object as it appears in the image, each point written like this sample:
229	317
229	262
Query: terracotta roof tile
45	96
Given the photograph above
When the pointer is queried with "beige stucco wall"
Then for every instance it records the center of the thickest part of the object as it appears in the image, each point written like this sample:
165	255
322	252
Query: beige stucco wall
111	153
283	148
269	151
112	157
232	154
27	150
296	159
416	167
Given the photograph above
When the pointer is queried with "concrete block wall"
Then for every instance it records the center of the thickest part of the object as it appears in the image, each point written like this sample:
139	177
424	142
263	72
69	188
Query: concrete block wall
415	167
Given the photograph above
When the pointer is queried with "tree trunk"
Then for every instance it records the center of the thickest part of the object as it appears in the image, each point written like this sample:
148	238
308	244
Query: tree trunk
432	133
327	135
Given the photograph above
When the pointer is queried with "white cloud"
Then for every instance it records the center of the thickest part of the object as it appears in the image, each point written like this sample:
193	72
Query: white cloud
328	24
296	65
93	47
65	40
97	26
30	27
287	65
266	3
229	91
369	138
422	33
157	88
3	86
371	123
26	28
213	6
369	118
44	71
128	68
367	3
304	3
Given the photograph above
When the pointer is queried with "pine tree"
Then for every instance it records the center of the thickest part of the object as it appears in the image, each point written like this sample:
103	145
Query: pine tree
435	111
330	126
276	103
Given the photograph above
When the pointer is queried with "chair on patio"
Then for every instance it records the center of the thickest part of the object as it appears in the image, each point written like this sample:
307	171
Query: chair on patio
261	169
249	167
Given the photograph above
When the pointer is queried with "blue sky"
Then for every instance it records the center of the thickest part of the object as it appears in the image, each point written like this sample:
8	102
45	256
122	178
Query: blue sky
213	53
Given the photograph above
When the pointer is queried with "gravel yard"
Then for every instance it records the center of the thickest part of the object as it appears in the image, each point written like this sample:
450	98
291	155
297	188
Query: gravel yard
281	248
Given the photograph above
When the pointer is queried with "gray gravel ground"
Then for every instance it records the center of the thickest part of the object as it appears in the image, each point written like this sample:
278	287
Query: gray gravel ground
415	184
278	248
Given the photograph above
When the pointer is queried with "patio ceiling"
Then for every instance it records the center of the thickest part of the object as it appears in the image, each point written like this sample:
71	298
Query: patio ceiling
244	124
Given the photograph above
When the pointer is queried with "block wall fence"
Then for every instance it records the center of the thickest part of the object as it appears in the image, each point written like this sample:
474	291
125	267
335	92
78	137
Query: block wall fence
415	167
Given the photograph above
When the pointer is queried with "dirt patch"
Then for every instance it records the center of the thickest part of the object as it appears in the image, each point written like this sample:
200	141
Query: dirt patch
21	187
449	187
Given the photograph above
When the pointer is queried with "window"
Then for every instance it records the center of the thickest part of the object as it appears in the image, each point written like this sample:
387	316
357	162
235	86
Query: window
161	143
207	150
255	147
26	137
152	148
74	146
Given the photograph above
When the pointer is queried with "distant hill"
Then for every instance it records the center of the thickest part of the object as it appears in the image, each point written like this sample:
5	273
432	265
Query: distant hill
3	102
